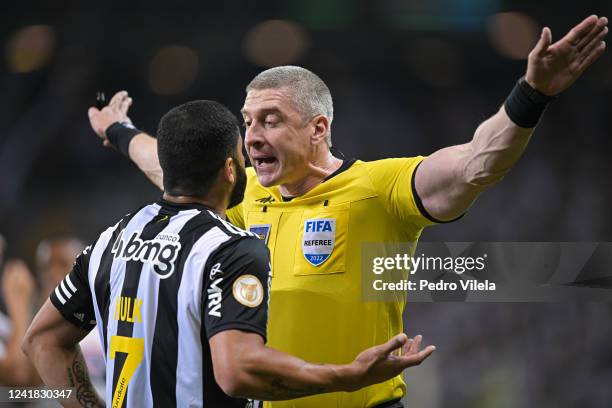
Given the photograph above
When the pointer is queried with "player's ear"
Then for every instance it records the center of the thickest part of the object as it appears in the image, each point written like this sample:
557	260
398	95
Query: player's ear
229	171
320	125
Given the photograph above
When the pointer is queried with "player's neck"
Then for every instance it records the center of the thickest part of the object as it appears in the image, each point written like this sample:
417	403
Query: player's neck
216	205
318	171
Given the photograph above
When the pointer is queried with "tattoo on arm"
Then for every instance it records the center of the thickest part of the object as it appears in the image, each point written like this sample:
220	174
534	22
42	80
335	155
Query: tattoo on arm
79	379
281	390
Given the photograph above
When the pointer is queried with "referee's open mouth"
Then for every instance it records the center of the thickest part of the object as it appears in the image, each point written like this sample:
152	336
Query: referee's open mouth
264	163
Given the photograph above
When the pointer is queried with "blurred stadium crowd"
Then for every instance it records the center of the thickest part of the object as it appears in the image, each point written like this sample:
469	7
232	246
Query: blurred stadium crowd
407	76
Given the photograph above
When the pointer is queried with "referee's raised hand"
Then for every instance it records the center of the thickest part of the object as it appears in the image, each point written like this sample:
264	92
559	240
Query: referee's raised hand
387	360
115	111
553	67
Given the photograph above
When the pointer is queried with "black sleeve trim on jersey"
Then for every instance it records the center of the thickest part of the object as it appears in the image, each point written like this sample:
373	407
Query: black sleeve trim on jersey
76	304
238	325
69	317
420	205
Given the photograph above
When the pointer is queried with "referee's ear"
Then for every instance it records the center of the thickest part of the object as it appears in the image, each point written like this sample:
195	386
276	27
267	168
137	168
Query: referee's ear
320	129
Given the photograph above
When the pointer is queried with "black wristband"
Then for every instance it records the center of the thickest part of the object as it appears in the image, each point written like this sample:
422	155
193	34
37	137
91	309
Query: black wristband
526	105
120	134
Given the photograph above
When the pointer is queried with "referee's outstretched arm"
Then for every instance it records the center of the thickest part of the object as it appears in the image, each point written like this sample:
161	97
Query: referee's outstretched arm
449	180
245	367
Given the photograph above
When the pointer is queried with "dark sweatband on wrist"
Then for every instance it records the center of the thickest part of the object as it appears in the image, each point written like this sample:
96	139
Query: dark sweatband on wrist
526	105
120	135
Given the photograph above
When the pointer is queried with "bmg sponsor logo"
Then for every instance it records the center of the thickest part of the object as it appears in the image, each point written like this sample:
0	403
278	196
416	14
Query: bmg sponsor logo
160	252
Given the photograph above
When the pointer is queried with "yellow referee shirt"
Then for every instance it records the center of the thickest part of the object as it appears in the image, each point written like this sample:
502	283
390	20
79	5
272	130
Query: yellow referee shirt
316	310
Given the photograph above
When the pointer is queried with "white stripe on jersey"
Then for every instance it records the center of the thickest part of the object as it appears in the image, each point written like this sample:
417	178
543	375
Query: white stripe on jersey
189	359
117	276
69	282
59	295
67	293
141	218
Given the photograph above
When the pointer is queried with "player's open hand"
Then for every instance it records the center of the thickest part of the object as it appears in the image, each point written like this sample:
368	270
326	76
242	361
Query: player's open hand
385	361
115	111
552	68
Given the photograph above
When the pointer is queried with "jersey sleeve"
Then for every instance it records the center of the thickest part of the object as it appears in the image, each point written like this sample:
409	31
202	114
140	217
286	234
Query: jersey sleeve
236	288
236	216
393	180
72	297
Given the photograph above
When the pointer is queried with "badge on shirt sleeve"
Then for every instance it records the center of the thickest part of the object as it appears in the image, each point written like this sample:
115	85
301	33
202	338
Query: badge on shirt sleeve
248	290
262	231
318	240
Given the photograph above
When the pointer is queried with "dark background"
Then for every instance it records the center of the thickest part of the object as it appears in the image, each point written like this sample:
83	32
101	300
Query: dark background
408	77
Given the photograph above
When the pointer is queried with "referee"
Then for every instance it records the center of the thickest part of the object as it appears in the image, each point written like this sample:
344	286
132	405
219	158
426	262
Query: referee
180	296
313	210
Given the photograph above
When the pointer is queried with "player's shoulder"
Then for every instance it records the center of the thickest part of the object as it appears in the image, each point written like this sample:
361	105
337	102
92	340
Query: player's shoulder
227	227
122	222
239	250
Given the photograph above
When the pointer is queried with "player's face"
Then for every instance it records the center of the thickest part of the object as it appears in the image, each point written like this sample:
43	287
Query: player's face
277	137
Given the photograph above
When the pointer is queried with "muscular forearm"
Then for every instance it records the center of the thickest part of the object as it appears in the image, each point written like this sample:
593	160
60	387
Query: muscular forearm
496	147
64	368
143	152
269	374
245	367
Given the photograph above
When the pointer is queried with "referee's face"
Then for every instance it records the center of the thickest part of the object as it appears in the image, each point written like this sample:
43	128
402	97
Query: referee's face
276	137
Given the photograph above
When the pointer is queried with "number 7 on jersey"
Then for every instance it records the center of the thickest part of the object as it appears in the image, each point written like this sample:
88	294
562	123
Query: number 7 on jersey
134	348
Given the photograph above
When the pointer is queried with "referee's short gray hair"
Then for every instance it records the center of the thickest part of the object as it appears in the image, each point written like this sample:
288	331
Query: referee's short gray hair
310	94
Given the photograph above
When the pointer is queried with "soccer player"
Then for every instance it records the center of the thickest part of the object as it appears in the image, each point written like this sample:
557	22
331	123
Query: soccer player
180	296
314	210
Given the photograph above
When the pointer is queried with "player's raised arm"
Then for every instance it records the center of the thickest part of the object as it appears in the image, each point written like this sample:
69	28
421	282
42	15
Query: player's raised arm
245	367
450	179
114	127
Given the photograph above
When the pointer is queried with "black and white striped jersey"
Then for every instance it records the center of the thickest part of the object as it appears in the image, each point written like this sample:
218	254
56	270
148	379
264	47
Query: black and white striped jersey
159	284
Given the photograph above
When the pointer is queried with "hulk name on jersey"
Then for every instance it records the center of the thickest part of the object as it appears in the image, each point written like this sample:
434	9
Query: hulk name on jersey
159	284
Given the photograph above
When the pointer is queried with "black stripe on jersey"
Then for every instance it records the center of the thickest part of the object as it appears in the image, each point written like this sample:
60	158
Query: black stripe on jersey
133	270
164	353
102	281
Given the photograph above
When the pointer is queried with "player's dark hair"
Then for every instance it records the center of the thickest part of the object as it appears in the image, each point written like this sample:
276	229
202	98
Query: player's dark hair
193	142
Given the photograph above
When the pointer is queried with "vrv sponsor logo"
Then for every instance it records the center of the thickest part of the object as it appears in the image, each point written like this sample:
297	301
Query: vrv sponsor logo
215	296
